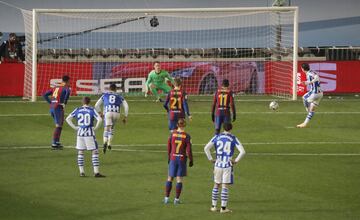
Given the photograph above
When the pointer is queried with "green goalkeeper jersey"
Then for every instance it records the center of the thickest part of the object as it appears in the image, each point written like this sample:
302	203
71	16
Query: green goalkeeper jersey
158	78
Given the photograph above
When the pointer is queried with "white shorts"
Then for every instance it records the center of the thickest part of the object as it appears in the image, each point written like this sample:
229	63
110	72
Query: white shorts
86	143
223	175
111	118
313	98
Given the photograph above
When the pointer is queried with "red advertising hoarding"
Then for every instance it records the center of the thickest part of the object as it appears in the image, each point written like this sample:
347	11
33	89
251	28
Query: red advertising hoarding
336	77
52	73
12	79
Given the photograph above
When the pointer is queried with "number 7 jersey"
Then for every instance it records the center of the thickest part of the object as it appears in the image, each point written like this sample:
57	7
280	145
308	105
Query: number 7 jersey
179	146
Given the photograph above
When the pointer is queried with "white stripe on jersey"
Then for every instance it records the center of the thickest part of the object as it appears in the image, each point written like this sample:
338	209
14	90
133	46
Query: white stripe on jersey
86	132
315	86
112	108
225	162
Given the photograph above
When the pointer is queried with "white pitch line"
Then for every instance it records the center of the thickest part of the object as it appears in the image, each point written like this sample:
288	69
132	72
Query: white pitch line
195	152
199	100
194	113
244	143
255	143
150	100
251	154
23	115
248	113
304	154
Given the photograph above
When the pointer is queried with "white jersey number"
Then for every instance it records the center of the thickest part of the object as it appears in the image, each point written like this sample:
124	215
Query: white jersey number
84	120
112	99
221	148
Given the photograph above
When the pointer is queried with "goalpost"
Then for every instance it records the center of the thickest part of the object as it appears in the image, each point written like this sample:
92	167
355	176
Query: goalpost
255	48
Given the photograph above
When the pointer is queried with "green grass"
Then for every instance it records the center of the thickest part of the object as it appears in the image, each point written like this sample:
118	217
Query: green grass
288	173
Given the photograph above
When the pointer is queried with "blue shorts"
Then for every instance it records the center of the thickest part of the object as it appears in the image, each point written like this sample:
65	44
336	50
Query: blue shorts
177	167
173	124
219	120
58	115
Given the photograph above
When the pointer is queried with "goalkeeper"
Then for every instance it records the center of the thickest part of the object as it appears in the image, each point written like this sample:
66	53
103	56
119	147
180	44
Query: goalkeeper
157	81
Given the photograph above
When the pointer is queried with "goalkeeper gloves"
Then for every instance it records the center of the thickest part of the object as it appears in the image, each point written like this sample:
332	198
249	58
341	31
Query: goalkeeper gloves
234	118
213	117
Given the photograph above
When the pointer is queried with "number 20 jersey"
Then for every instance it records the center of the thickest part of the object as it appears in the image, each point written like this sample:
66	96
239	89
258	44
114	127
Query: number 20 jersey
112	102
225	145
85	120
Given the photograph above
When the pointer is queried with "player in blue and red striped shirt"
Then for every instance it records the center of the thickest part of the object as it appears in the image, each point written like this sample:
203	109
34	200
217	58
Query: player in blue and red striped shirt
179	149
58	100
177	99
223	101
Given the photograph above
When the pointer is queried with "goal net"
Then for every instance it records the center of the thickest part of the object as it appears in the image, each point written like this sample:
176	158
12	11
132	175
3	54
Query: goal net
254	48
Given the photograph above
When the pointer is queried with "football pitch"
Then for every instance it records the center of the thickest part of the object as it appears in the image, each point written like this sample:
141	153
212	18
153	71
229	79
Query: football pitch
287	173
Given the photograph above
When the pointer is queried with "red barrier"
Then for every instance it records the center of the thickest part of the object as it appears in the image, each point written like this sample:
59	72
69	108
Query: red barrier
12	79
55	71
336	77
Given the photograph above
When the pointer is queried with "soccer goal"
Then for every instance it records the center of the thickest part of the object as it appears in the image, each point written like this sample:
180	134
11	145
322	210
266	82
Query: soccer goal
254	48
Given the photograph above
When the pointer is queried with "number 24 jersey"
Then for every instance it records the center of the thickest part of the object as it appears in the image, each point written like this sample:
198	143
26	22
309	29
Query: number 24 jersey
225	145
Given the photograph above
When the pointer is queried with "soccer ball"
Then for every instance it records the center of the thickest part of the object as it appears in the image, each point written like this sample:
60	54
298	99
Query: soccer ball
273	105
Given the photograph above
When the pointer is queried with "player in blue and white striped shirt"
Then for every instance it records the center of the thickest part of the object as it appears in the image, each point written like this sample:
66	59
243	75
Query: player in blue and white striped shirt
225	144
112	102
86	140
312	98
